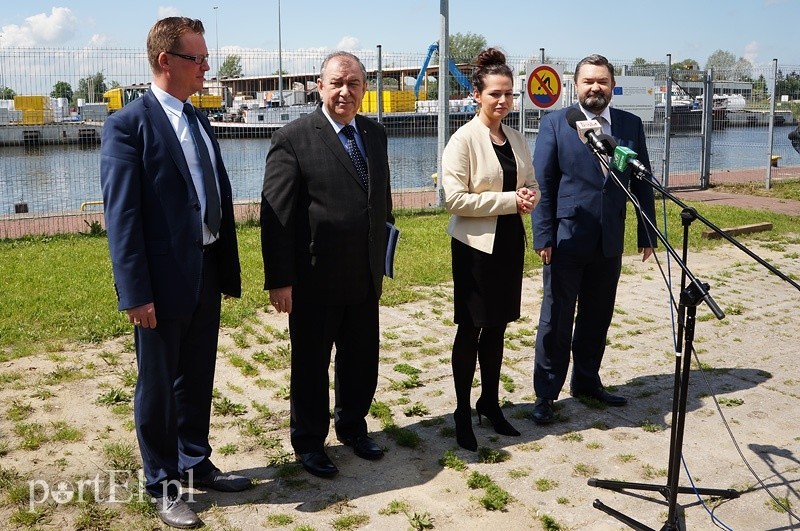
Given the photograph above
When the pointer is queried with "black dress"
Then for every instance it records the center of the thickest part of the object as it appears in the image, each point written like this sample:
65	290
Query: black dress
487	288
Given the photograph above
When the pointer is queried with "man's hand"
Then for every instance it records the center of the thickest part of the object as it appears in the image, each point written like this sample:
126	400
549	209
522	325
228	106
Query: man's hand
647	252
545	254
281	299
144	316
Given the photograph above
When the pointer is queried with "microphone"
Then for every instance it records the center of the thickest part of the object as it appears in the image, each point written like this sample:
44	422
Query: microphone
589	131
624	156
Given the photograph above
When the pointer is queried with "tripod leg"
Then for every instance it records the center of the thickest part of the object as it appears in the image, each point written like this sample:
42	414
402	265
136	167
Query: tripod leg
627	520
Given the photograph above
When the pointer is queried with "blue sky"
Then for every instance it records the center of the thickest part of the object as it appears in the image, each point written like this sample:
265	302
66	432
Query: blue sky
759	30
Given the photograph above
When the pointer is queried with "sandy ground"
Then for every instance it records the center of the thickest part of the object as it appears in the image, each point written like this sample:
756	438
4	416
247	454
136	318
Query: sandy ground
749	361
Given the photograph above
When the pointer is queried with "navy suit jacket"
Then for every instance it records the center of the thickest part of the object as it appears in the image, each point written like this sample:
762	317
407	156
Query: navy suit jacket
322	231
581	208
152	213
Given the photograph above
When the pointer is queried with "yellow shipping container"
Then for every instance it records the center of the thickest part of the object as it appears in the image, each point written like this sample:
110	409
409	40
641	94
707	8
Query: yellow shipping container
31	103
206	101
393	101
37	117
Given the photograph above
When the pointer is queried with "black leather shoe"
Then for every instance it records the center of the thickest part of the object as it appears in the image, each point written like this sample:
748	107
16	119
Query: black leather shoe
318	463
543	412
175	513
601	395
222	482
364	447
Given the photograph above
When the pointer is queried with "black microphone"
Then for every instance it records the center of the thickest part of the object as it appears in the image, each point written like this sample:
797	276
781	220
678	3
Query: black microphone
589	131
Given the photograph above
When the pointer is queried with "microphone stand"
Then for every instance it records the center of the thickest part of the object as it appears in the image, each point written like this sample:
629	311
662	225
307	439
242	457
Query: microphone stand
693	292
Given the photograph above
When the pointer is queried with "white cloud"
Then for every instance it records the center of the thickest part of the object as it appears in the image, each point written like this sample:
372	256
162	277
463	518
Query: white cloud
751	52
42	29
348	43
99	40
168	11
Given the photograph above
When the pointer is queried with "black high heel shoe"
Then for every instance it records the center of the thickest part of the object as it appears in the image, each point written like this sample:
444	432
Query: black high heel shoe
465	437
496	417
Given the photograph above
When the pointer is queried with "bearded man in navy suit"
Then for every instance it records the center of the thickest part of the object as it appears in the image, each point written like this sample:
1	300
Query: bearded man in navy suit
171	234
578	231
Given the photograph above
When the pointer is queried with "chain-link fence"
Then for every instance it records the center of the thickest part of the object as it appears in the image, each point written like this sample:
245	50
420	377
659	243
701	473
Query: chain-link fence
53	103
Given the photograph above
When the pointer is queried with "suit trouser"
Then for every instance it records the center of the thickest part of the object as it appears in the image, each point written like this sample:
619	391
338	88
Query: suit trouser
315	327
590	283
172	403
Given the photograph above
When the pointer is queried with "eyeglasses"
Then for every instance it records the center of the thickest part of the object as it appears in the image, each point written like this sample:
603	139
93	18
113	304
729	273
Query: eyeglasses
197	59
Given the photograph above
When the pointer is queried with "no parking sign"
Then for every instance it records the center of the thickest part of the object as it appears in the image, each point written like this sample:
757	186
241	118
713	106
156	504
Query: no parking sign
543	86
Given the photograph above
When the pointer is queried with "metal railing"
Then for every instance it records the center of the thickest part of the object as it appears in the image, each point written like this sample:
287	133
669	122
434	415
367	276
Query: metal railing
49	153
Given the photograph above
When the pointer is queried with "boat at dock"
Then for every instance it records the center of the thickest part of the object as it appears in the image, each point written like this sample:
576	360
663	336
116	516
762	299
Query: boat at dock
52	133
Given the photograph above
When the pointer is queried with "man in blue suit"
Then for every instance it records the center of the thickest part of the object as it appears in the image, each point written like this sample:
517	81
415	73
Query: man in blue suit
171	234
578	231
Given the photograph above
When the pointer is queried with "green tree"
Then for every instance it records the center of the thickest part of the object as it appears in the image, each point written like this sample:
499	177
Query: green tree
6	93
727	67
788	85
62	89
686	64
760	88
231	67
465	47
91	88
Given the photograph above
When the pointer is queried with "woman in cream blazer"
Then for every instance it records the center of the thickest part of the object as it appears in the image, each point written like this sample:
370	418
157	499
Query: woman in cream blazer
488	182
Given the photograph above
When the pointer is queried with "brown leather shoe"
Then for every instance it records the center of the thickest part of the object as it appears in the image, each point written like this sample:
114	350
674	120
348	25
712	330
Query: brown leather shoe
176	513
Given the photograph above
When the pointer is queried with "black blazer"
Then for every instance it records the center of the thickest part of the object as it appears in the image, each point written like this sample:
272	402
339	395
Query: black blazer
155	231
322	231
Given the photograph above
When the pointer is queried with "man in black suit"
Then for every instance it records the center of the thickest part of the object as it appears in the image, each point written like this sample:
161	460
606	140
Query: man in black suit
325	203
172	238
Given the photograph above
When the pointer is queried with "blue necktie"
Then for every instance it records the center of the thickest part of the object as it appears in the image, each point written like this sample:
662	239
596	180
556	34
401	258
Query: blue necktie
212	217
355	155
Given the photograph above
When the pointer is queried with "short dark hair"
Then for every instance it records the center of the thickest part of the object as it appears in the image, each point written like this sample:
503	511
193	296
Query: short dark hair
166	33
596	60
491	61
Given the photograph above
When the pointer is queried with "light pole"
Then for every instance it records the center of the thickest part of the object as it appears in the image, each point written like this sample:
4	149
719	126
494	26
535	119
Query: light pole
280	59
216	31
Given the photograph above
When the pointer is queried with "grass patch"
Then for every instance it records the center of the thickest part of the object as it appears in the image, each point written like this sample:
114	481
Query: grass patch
544	484
350	521
451	460
61	310
496	498
121	456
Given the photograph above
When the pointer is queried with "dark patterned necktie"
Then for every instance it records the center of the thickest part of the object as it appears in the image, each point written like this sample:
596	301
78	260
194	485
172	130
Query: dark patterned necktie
212	217
355	154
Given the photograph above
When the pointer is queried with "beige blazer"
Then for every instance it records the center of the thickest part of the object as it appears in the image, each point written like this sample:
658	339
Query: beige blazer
472	180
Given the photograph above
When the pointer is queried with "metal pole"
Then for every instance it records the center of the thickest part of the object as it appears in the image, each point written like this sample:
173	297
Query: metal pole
280	59
522	90
771	123
708	127
444	100
379	86
667	119
216	32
